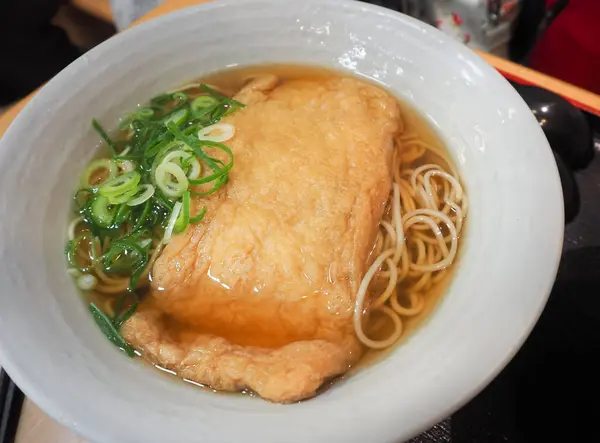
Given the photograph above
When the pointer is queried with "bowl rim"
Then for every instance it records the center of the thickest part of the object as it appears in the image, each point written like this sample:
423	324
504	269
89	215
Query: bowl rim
34	389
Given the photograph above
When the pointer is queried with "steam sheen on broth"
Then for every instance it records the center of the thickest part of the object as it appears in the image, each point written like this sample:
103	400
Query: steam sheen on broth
233	226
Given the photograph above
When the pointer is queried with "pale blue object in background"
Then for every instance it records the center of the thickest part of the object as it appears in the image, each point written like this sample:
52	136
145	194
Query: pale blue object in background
126	12
476	28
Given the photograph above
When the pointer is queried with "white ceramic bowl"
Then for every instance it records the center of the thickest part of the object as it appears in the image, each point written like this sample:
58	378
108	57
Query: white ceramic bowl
57	355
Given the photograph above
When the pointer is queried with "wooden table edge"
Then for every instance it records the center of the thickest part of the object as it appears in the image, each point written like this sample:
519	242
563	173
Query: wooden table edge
97	8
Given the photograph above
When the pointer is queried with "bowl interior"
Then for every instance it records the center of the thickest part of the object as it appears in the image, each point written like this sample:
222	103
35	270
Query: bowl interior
49	343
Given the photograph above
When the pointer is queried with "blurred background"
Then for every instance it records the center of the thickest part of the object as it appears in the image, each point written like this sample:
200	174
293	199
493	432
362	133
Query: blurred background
38	38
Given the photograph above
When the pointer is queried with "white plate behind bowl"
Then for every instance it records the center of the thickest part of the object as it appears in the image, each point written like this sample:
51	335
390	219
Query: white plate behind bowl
54	352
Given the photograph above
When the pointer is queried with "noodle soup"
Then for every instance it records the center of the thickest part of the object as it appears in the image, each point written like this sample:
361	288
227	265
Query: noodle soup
187	262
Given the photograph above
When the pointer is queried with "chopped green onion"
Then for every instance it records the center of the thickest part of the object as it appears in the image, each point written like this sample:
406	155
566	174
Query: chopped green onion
140	114
203	102
109	141
139	223
182	157
121	188
221	97
99	165
71	251
178	117
218	184
126	165
219	132
122	214
161	100
126	256
170	187
164	151
120	319
176	155
144	193
198	217
102	212
86	282
163	201
184	215
120	184
82	197
171	224
122	198
144	113
125	151
196	146
156	148
195	169
145	243
109	330
73	272
135	277
181	96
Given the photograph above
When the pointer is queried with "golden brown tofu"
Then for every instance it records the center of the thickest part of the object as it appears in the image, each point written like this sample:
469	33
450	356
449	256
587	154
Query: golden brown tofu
266	283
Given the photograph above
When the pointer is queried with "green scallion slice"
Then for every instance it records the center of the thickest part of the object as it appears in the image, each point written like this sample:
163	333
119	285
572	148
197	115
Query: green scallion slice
110	331
120	184
203	102
103	166
101	212
171	179
122	318
71	251
199	217
109	141
178	117
143	217
123	213
171	224
144	193
184	215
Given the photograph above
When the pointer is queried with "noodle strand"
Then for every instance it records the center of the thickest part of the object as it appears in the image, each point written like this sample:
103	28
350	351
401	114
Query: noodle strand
418	239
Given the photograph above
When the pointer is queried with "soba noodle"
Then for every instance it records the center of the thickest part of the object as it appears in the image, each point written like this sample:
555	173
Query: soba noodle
418	238
89	254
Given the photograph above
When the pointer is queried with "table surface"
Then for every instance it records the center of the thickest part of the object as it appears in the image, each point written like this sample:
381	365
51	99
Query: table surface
97	8
35	425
